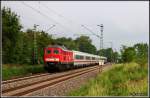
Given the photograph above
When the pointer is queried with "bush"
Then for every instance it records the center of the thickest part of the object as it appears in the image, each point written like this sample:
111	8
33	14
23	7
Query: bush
117	82
15	71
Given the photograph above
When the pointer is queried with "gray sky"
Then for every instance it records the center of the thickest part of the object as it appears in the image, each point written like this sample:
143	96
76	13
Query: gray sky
125	22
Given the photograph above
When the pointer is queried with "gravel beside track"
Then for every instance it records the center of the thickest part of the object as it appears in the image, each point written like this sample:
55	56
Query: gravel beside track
62	88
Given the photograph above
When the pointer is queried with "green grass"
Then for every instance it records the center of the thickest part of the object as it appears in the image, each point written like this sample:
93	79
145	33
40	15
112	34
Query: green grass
122	80
9	72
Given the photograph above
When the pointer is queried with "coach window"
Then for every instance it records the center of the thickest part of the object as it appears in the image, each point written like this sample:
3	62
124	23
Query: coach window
56	51
87	58
81	57
93	58
77	57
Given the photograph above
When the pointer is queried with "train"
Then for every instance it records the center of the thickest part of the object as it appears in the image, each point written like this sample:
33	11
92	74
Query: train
60	58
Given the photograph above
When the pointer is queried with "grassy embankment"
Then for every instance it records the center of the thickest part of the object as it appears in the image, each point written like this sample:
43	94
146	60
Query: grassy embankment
122	80
9	71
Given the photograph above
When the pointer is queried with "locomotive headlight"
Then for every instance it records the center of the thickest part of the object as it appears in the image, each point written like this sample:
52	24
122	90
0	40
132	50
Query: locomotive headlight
52	59
56	59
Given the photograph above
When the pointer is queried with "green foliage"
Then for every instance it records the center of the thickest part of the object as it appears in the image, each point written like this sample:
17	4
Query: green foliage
67	42
128	54
116	57
118	81
138	53
10	31
15	71
141	53
110	54
84	44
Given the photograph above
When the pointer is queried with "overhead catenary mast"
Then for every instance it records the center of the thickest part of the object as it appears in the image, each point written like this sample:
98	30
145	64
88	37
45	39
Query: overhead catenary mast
35	45
101	35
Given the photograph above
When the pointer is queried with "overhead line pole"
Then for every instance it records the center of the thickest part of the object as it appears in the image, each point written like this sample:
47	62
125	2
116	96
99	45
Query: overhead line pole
112	50
101	36
35	46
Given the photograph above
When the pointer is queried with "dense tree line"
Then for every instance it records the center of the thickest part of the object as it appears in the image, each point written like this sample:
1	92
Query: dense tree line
18	46
136	53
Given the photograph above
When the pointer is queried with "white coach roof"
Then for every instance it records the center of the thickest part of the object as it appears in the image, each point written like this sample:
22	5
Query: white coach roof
87	54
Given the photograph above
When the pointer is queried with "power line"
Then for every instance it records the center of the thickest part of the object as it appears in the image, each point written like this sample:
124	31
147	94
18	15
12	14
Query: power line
60	15
57	14
44	15
35	10
50	28
90	31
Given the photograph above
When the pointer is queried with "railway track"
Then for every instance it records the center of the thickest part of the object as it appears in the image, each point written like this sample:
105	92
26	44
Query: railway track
28	88
19	82
24	78
25	89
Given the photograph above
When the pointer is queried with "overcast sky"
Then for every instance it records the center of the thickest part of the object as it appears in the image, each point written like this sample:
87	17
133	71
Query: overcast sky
125	22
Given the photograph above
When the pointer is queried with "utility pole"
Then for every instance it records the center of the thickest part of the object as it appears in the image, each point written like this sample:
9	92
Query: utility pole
111	51
101	45
35	45
101	37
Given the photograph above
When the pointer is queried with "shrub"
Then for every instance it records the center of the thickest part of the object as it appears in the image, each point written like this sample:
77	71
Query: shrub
115	82
15	71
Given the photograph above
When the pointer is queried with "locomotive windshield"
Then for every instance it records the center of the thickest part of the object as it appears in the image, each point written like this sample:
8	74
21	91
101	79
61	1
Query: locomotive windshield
56	51
48	51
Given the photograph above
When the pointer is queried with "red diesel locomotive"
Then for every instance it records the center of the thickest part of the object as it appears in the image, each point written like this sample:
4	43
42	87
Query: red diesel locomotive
57	57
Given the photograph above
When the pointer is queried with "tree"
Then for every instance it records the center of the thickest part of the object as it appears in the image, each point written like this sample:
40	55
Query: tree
107	53
67	42
128	54
10	32
141	53
115	57
84	44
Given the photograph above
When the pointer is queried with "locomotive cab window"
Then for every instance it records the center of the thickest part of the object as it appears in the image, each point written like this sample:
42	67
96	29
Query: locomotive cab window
56	51
48	51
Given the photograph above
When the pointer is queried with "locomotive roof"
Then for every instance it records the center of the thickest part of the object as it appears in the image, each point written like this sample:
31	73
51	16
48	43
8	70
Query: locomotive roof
58	46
